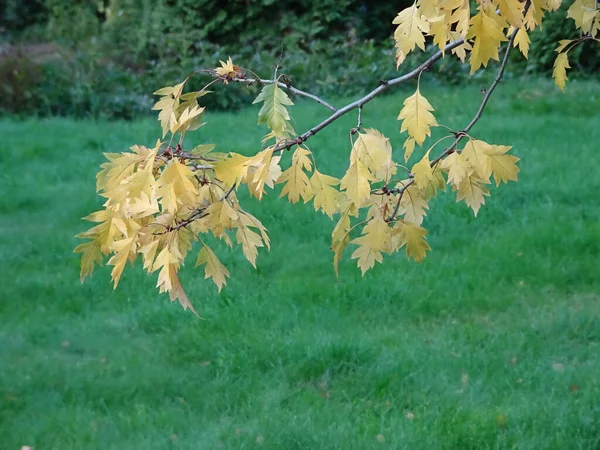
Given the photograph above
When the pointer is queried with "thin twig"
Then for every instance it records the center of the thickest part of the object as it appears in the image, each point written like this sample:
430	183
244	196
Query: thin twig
200	213
461	134
370	96
497	80
288	87
401	192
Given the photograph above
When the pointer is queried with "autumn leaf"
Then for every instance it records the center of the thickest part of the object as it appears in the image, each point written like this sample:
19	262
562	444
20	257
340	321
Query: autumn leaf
413	205
486	31
376	237
297	182
422	172
373	149
475	154
409	148
122	250
340	238
166	105
213	267
458	168
91	255
472	191
586	15
263	169
561	64
413	236
523	41
512	10
232	170
228	69
356	182
503	166
326	197
409	33
416	117
175	186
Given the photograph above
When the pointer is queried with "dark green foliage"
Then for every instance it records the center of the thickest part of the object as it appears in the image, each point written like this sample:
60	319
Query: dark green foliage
585	58
114	53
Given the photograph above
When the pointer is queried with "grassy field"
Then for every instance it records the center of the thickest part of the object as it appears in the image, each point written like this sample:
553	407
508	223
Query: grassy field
492	343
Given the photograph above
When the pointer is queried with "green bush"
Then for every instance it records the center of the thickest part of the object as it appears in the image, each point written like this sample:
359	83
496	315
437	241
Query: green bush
114	53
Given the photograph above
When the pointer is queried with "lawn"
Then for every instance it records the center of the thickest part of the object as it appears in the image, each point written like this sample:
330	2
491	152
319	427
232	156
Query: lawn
493	342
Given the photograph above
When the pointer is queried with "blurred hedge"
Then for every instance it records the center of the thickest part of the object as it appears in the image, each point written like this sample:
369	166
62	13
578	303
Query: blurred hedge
106	56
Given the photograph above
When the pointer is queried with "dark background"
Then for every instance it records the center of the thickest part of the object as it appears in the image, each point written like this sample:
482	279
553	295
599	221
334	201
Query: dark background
104	58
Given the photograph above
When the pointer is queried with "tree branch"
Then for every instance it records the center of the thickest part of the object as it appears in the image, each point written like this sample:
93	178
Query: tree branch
288	87
488	93
461	134
497	80
367	98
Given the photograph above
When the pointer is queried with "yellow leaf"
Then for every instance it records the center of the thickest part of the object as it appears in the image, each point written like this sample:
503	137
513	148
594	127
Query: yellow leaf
409	148
461	50
416	117
440	28
504	167
220	216
118	167
273	111
409	33
472	191
414	238
413	205
523	41
535	13
142	207
297	182
340	237
188	120
356	182
232	170
475	154
584	13
561	64
422	172
122	250
175	186
512	11
177	293
554	5
436	183
461	17
148	252
227	69
376	237
563	44
263	169
458	168
486	31
327	198
164	261
250	242
213	269
168	281
249	220
167	105
110	229
373	149
91	255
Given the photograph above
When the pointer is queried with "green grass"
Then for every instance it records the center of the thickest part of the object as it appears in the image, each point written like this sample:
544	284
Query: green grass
492	343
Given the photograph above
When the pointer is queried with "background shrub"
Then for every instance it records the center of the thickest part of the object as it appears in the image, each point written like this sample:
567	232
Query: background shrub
104	58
